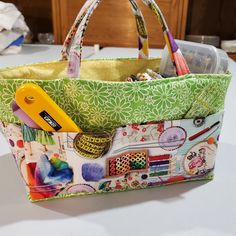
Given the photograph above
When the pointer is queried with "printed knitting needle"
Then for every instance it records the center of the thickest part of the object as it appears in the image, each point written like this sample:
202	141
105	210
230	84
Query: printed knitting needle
203	131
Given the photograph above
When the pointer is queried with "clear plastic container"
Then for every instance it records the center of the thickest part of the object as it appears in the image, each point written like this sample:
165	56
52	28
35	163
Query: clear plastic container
201	59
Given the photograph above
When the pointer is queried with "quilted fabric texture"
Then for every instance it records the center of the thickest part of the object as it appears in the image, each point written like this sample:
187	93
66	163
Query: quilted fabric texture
100	105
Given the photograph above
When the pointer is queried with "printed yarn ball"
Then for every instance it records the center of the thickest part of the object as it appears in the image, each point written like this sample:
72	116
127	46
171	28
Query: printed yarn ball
92	172
59	164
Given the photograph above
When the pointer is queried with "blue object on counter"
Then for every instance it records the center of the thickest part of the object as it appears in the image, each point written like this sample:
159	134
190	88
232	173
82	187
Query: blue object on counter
18	42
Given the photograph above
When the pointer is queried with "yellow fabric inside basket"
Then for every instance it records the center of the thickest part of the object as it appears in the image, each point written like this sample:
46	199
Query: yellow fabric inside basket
100	69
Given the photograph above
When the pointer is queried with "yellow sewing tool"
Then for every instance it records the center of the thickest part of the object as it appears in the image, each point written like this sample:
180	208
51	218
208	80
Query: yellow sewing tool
36	103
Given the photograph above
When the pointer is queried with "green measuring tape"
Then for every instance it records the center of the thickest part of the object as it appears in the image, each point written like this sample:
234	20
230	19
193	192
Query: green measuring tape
93	145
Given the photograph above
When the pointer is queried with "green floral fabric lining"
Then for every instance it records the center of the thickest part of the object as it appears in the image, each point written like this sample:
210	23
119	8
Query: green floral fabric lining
99	105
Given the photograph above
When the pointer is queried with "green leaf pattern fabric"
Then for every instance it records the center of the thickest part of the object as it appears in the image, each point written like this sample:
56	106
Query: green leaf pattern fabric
99	105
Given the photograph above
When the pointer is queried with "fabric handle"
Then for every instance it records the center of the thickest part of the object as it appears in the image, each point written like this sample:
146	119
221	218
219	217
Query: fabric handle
84	15
175	54
76	49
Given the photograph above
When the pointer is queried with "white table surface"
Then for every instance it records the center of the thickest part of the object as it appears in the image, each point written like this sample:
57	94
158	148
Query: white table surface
201	208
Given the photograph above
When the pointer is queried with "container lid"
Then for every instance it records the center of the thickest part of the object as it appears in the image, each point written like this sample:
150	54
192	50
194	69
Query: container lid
223	62
201	58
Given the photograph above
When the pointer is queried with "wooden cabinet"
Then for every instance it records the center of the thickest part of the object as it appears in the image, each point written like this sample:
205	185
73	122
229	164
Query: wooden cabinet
37	15
232	56
113	24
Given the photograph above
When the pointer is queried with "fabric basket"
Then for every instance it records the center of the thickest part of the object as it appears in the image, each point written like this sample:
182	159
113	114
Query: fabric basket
136	134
